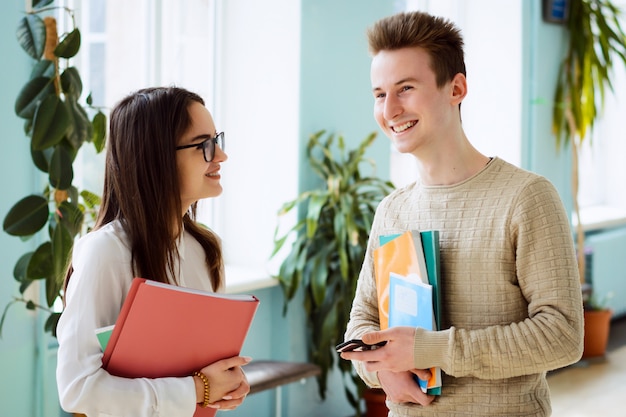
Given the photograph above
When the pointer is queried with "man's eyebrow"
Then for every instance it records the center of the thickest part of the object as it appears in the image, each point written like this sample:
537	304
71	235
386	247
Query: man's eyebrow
402	81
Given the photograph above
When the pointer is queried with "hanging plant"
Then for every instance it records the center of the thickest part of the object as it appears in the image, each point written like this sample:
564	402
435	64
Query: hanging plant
58	125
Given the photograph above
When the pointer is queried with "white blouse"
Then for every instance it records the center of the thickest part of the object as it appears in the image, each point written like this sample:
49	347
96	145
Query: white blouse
99	284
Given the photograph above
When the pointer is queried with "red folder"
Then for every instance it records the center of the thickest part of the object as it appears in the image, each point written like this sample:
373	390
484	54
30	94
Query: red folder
169	331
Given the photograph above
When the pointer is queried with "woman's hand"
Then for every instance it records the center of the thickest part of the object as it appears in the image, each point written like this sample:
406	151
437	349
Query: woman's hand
227	382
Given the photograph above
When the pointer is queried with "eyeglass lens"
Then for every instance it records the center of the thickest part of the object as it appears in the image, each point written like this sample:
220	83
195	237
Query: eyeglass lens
209	146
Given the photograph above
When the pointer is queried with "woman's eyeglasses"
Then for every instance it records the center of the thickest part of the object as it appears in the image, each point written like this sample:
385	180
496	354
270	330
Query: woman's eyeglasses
207	145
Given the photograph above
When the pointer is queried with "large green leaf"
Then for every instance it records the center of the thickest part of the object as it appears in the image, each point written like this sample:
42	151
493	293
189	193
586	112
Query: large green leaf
41	159
71	84
62	241
99	131
51	123
51	323
19	271
31	35
316	203
71	217
31	94
61	170
40	265
81	128
41	3
43	68
27	216
69	46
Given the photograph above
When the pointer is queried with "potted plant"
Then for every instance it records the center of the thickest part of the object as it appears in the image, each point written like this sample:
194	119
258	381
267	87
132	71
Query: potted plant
329	247
597	324
595	40
58	125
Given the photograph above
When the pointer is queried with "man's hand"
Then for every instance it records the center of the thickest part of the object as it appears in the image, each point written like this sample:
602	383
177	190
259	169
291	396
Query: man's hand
396	355
400	387
394	364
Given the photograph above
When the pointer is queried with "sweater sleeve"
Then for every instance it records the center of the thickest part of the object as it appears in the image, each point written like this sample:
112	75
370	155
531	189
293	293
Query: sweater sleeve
94	297
364	312
550	334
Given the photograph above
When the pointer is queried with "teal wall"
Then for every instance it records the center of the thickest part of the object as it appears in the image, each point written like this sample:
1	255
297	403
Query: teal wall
335	83
18	346
542	47
335	95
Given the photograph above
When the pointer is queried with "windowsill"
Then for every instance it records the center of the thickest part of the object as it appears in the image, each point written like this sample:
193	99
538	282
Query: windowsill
600	217
240	279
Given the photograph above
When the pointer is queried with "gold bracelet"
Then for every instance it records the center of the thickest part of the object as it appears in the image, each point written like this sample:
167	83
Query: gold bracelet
207	391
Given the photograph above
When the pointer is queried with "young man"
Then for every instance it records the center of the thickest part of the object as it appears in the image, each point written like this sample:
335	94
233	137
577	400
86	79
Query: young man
510	294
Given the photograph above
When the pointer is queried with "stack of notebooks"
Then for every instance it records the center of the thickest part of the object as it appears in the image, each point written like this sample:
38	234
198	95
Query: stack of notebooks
407	273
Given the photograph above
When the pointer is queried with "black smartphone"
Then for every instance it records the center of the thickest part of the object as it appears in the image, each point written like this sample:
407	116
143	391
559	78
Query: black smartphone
357	344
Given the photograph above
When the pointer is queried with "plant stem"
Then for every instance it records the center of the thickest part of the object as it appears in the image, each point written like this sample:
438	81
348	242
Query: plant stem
580	233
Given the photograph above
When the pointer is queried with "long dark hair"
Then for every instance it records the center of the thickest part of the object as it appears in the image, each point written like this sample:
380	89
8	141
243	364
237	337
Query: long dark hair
141	186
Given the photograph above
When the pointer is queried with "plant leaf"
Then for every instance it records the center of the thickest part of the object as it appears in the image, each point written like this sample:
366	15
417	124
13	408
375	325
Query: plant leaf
51	323
61	248
71	217
69	46
19	271
50	124
61	170
41	159
81	128
91	200
27	216
40	265
31	94
71	84
31	35
99	131
43	68
41	3
316	203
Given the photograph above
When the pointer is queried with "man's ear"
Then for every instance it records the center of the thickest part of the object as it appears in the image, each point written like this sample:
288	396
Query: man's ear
459	88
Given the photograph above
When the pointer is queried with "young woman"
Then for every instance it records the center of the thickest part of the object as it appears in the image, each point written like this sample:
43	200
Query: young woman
163	155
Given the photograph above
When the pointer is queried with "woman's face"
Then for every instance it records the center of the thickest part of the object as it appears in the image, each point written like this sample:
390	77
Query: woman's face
198	179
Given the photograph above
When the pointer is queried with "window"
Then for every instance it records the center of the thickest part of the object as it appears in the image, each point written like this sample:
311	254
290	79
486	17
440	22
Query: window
243	58
601	169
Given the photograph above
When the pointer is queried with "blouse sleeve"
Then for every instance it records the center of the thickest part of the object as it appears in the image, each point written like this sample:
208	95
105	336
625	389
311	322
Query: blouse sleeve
95	294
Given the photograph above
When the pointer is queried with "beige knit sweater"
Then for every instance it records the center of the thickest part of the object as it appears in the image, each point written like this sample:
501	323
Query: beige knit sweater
511	299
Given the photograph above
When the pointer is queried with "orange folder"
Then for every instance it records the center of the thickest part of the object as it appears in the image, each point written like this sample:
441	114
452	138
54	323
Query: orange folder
398	255
169	331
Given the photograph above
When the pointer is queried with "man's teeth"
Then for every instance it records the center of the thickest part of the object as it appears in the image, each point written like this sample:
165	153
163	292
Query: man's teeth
402	128
211	174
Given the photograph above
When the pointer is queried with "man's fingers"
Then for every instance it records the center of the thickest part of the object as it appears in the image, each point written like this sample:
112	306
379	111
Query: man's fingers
423	374
375	337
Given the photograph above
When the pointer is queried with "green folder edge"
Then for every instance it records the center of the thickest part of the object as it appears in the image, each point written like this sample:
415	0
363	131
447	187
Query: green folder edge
430	244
